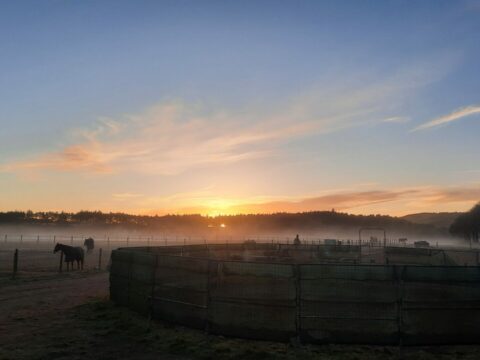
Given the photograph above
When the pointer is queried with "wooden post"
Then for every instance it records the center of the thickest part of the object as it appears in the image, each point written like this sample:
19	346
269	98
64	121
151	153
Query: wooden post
54	239
5	238
15	263
71	240
100	259
61	262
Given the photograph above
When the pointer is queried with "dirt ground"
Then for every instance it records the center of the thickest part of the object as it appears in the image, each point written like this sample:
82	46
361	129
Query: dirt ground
68	316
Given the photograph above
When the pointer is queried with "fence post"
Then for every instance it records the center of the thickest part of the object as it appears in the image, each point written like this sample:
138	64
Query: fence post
399	274
38	239
212	266
71	240
21	239
100	259
298	302
61	262
54	239
5	238
128	239
15	263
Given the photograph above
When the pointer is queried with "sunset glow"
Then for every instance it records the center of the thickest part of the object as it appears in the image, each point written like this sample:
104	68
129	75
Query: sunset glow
360	107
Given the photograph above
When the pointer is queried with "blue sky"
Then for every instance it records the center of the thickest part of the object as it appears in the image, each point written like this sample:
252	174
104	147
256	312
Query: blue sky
229	106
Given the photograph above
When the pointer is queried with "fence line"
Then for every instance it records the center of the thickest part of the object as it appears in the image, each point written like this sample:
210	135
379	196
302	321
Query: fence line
387	304
33	241
13	262
35	252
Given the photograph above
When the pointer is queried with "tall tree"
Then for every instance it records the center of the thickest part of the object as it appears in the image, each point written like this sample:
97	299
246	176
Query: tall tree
467	225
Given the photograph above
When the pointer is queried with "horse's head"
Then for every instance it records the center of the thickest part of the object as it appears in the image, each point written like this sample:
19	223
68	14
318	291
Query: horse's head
58	247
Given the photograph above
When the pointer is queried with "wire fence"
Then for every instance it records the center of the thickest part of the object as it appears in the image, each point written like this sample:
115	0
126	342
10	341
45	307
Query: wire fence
34	253
42	241
14	263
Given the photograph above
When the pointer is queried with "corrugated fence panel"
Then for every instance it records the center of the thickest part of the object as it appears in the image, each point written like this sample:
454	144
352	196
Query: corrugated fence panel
464	258
142	275
348	272
319	302
441	305
119	289
120	276
349	304
253	300
412	256
180	293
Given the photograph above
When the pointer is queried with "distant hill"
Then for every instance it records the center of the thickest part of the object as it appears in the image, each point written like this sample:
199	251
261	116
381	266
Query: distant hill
441	220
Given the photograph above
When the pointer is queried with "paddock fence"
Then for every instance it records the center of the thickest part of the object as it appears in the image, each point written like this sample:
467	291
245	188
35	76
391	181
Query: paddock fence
312	302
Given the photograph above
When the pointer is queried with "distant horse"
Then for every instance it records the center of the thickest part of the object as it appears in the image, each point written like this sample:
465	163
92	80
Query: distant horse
89	244
71	254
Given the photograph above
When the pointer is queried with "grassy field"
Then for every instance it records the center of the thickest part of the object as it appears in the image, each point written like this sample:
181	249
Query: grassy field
101	330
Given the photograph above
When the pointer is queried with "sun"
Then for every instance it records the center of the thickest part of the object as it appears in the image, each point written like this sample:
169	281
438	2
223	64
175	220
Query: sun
218	207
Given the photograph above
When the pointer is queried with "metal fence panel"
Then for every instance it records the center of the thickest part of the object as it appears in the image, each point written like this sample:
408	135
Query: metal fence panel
339	303
252	300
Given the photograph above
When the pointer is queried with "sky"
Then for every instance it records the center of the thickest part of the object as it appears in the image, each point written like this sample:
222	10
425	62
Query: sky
224	107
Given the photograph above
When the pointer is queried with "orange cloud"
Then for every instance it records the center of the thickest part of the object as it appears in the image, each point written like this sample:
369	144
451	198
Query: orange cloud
394	202
174	136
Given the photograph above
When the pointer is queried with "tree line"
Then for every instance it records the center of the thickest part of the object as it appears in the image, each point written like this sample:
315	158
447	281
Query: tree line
256	223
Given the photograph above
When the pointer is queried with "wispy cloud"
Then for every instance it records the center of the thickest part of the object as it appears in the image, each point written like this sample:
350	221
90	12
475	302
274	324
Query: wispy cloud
454	116
396	119
386	201
173	136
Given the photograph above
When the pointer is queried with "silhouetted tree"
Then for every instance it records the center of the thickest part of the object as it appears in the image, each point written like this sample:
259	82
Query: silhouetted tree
467	225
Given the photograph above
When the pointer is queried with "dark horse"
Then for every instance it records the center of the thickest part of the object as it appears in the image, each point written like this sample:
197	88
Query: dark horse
89	244
71	254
